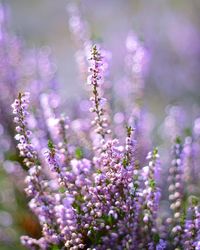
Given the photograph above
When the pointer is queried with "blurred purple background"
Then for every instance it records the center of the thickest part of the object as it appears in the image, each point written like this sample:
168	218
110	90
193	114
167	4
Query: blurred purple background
169	29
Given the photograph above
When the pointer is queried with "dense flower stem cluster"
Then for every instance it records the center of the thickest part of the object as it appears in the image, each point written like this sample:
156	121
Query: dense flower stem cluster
83	198
103	200
22	69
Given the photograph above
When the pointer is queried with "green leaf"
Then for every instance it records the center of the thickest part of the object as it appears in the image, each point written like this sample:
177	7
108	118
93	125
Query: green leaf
107	182
99	171
136	186
194	200
129	130
125	162
156	238
152	183
62	190
182	219
188	131
79	153
55	247
77	207
155	152
109	219
50	144
178	140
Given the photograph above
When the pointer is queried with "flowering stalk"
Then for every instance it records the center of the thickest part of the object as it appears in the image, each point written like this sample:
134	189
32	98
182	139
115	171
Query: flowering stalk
129	158
189	159
41	203
25	147
151	196
98	102
176	192
63	123
55	165
196	149
191	236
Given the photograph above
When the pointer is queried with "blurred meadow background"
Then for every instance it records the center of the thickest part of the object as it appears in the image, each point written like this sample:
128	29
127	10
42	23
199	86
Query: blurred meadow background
170	31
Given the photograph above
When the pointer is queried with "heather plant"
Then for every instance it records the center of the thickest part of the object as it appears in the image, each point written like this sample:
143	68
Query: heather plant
103	196
93	180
